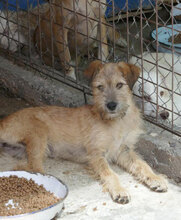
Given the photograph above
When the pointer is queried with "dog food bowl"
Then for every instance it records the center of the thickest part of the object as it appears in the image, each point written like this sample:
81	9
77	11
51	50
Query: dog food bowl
51	184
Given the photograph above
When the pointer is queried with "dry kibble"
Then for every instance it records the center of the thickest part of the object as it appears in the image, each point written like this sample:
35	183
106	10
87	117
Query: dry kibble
19	196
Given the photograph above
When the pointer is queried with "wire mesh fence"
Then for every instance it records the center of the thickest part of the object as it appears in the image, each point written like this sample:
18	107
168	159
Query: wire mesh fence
60	37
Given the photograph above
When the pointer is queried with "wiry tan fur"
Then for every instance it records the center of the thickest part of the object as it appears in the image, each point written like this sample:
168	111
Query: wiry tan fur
91	134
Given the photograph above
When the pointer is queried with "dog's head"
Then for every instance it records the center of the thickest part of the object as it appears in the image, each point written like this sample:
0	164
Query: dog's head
156	99
112	84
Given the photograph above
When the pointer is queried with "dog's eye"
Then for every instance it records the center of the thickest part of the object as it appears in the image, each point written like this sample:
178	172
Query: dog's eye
119	85
100	87
161	93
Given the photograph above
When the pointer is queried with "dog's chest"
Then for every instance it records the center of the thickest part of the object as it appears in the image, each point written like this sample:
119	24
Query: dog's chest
116	141
122	135
117	136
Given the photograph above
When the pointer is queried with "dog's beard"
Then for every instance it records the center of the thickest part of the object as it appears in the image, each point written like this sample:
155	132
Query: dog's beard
120	112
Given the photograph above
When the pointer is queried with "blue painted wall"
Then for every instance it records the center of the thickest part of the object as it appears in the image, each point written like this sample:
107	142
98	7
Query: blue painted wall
132	5
22	4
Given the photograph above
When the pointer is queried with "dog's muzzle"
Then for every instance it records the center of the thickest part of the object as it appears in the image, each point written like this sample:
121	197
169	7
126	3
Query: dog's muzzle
164	115
117	109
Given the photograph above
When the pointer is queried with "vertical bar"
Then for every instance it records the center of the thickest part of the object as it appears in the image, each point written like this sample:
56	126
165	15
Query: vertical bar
113	10
51	33
127	29
85	97
141	48
39	24
87	25
7	23
157	44
18	29
63	27
29	31
75	32
172	22
100	26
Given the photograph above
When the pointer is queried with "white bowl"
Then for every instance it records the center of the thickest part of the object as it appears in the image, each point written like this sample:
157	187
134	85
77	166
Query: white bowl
51	184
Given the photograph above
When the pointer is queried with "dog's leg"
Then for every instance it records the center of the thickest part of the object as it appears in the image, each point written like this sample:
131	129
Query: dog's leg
36	143
130	161
61	42
35	148
109	179
33	134
116	37
102	36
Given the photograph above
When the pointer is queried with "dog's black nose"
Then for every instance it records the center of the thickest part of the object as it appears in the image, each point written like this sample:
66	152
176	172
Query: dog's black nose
111	105
164	115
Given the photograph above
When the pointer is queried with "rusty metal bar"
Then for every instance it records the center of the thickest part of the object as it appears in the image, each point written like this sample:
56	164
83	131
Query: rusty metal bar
75	40
157	44
87	25
29	30
51	33
39	26
172	61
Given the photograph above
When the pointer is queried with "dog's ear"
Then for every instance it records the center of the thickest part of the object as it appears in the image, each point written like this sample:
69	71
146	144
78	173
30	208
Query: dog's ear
93	69
130	72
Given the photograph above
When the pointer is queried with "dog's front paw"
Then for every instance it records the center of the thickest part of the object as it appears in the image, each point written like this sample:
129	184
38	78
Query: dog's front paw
120	196
71	73
157	183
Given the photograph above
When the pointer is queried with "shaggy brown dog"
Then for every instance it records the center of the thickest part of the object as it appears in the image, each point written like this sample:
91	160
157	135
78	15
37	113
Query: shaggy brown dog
69	27
94	134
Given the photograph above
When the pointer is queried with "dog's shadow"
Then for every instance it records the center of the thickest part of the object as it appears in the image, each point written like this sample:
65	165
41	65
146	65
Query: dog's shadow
74	174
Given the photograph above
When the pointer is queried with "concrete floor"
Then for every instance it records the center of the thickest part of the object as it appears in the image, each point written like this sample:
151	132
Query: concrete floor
86	199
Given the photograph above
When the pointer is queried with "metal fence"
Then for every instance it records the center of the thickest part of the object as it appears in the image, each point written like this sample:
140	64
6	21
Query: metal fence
60	37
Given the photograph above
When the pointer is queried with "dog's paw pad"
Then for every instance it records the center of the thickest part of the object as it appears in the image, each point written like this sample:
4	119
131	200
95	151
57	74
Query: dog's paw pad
122	197
71	73
122	42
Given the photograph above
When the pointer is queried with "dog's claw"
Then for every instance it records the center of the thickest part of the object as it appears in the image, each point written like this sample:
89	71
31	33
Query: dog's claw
159	189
